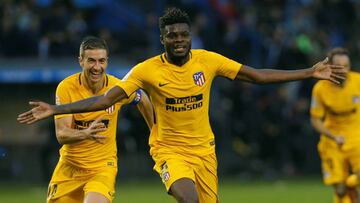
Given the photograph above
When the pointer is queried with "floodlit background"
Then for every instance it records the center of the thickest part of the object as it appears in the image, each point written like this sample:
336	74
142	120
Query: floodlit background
265	144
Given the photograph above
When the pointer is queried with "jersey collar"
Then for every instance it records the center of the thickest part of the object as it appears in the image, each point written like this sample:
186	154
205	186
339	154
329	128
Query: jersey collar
164	60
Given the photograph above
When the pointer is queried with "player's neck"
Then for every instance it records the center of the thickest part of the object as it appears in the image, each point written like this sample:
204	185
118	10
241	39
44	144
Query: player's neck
177	61
94	87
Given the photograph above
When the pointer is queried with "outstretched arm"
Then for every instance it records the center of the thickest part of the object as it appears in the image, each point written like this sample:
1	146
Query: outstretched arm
321	70
43	110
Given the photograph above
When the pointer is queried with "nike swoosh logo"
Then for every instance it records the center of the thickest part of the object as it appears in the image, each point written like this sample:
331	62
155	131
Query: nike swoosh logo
163	84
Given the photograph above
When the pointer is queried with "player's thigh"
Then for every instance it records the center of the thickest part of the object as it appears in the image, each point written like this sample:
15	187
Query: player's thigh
172	168
63	186
353	156
102	184
206	180
334	166
76	196
94	197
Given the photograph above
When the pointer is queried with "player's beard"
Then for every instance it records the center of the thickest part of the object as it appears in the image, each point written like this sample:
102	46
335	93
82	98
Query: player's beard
177	57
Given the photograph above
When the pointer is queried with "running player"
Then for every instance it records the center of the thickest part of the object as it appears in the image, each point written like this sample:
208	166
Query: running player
87	168
178	83
335	115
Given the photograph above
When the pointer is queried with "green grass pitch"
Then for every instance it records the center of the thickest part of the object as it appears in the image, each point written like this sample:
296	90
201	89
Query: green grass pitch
231	191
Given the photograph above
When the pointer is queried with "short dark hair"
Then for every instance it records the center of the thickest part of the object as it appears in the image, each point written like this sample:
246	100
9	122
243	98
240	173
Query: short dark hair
91	42
173	16
337	51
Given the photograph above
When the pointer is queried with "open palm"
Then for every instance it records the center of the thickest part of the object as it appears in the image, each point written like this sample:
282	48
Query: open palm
325	71
40	111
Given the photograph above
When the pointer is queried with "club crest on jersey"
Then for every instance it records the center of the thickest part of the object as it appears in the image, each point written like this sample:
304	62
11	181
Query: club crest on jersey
199	78
110	109
166	176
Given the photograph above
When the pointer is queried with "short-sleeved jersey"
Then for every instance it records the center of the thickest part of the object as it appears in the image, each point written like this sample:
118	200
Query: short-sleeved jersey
89	154
180	96
339	106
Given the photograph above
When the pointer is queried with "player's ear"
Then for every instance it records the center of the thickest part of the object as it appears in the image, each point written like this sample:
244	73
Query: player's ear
80	60
162	39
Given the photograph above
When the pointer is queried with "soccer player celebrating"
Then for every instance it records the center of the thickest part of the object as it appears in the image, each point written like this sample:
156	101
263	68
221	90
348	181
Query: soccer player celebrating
87	168
178	83
335	115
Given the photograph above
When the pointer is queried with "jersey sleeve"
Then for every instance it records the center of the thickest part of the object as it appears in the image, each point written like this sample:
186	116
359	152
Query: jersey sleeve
62	96
133	80
317	107
134	98
224	66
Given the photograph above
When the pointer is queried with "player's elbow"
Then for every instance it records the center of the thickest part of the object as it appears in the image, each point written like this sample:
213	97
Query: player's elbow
62	135
103	103
60	138
107	103
260	79
253	77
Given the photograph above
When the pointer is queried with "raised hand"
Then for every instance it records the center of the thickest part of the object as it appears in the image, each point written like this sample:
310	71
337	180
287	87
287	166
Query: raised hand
325	71
40	111
96	127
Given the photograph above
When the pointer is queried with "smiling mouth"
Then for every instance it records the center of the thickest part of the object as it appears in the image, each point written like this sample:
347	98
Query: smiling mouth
180	49
96	75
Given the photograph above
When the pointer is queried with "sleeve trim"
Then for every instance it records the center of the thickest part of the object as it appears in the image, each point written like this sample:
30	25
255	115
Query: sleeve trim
137	98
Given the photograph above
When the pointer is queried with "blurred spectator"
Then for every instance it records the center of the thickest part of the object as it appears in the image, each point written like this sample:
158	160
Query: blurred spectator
247	30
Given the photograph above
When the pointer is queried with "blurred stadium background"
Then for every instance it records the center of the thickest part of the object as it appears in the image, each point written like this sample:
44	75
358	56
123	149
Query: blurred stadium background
265	144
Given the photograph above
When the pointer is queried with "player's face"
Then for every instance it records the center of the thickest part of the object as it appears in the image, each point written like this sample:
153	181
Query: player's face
94	63
176	39
342	60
